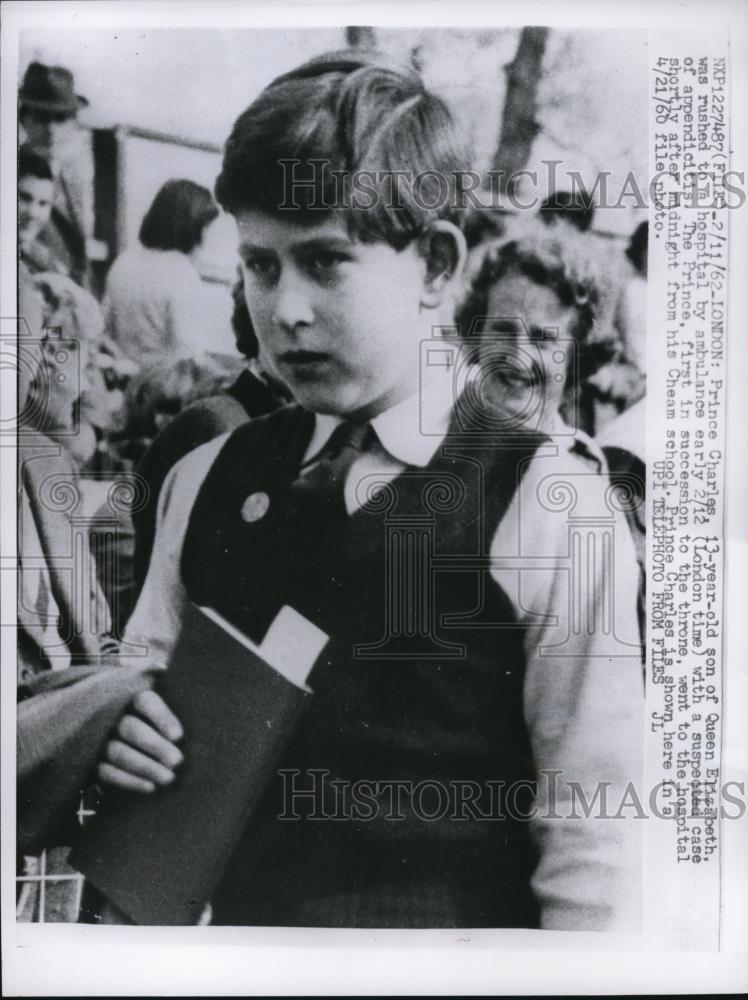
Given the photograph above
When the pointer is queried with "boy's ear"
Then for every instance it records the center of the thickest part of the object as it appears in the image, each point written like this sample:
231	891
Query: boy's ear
444	250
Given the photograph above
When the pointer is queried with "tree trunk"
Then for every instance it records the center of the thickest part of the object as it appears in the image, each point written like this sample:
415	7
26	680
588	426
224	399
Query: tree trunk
357	37
519	125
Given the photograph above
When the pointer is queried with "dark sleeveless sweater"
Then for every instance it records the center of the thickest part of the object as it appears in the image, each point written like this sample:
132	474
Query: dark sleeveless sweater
421	682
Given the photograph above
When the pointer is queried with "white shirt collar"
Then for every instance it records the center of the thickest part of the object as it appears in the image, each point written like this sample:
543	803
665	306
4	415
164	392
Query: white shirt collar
411	430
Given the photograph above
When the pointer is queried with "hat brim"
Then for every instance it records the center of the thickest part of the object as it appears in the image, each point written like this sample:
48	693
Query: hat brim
55	107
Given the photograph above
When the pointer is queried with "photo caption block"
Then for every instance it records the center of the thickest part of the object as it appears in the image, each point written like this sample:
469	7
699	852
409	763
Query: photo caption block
690	201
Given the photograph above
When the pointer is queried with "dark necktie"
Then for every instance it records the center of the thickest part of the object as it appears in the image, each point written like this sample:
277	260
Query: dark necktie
320	486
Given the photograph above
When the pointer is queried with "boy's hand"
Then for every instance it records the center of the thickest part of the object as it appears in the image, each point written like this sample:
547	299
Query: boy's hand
142	753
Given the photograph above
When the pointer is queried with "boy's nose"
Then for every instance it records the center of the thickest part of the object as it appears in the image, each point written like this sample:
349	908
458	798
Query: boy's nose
292	305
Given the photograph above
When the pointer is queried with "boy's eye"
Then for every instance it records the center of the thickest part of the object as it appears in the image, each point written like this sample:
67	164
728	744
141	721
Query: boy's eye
264	268
324	263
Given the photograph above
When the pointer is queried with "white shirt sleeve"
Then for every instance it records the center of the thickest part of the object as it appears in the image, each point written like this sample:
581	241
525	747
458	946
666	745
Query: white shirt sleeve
154	625
189	309
565	557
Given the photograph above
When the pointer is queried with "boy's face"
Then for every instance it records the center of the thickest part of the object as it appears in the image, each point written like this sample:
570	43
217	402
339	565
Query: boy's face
339	320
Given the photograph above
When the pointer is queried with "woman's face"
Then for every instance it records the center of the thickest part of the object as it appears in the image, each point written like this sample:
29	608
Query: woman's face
526	352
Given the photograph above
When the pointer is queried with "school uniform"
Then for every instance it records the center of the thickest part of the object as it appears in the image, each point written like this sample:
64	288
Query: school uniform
443	579
249	396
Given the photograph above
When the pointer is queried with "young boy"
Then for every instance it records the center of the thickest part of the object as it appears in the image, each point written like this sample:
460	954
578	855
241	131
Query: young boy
462	664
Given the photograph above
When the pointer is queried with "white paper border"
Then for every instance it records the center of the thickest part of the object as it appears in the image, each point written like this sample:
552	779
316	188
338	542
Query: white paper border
77	960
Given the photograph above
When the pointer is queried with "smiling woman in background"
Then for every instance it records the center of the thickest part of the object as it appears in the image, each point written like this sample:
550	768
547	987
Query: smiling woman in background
538	320
154	301
538	315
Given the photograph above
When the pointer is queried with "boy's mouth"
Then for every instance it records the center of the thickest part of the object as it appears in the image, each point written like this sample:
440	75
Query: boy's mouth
304	359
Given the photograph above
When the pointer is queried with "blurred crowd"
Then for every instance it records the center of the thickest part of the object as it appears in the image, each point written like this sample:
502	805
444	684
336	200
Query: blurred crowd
140	353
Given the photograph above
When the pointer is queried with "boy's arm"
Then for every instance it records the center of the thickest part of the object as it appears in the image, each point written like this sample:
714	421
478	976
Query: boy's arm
583	695
142	753
154	625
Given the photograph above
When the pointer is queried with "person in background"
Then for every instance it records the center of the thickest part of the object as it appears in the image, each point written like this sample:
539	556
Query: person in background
621	383
538	313
631	315
254	393
61	378
36	191
68	694
618	381
570	207
154	399
154	304
623	438
48	119
159	392
533	296
483	224
79	402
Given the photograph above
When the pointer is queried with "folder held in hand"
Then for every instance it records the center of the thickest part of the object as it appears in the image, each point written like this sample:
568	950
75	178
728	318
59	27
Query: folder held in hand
159	857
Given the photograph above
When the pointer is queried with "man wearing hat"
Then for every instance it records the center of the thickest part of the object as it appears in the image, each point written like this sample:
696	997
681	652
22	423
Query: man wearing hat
48	116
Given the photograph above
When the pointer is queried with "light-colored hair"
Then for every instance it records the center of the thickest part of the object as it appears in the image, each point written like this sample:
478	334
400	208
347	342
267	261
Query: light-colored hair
359	114
570	265
69	307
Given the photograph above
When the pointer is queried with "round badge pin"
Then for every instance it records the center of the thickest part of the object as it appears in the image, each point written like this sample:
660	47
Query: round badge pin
255	507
